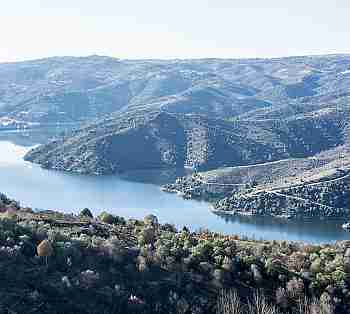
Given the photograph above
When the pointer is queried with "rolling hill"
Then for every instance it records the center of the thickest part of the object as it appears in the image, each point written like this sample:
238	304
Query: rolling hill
70	89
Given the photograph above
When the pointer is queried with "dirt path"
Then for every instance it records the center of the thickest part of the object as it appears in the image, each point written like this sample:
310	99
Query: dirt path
300	199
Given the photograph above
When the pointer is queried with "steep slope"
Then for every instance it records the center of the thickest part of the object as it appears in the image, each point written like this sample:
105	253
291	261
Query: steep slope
143	139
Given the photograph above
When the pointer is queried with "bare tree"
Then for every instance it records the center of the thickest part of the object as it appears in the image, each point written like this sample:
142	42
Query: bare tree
259	305
229	303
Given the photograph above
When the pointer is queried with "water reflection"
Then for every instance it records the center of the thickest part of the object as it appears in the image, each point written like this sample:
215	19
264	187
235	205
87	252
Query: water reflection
134	195
158	177
315	230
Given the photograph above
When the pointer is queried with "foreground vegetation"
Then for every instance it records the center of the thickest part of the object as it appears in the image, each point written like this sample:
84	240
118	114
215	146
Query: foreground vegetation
57	263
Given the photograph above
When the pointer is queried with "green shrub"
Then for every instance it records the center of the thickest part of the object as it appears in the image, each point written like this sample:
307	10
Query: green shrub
106	218
316	266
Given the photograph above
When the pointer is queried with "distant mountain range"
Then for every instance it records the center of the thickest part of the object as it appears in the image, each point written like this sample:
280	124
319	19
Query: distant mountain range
69	89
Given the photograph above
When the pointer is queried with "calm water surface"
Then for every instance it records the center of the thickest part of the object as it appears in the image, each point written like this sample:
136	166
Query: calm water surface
133	195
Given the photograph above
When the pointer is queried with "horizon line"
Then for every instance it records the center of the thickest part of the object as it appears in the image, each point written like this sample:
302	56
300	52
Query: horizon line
176	58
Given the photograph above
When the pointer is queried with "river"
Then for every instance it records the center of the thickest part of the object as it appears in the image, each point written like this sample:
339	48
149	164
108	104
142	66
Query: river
134	195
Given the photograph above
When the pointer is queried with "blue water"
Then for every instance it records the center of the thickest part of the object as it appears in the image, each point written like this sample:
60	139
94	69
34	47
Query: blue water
134	195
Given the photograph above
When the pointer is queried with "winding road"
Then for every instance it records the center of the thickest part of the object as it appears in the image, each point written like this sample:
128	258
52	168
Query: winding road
277	191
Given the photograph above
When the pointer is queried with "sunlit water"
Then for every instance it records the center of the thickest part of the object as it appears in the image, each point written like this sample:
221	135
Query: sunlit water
134	195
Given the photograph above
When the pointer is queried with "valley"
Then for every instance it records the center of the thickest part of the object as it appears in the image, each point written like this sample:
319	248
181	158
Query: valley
134	194
174	157
262	137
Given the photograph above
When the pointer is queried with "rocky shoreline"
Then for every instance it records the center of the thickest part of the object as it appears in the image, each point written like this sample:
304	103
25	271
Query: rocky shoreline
195	187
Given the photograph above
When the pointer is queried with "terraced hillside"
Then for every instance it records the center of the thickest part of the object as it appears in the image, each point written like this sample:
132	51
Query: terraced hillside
310	186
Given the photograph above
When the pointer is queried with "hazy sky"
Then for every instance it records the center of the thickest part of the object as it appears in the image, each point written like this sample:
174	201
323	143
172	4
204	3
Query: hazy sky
173	29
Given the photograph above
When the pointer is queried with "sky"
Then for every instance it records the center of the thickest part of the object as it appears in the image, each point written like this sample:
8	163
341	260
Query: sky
139	29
